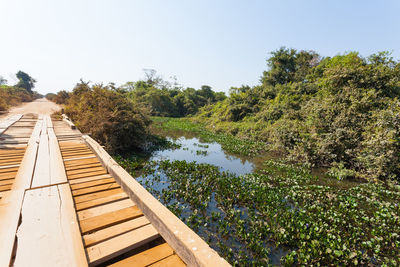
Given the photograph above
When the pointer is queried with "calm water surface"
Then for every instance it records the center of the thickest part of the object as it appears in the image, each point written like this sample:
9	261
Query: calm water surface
192	149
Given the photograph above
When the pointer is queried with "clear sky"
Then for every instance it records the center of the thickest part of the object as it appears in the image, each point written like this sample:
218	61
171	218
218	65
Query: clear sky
221	43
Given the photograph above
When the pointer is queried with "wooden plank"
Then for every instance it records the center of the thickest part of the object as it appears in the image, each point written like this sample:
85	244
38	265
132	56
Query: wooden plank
49	235
101	194
100	201
7	181
71	226
74	153
57	169
146	257
120	244
171	261
106	208
92	183
79	158
10	162
11	203
88	169
88	179
97	188
115	230
77	155
8	175
108	219
91	165
81	161
5	187
41	176
8	171
89	174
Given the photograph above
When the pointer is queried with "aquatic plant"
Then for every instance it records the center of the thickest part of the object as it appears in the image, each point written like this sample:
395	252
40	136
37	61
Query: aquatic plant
280	215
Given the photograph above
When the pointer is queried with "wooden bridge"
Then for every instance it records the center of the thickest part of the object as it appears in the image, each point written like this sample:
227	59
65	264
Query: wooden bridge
65	202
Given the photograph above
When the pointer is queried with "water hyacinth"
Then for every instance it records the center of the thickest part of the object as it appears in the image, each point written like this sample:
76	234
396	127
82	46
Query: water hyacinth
280	215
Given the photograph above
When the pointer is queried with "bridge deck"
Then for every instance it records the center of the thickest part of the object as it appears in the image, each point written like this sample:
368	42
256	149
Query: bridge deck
59	205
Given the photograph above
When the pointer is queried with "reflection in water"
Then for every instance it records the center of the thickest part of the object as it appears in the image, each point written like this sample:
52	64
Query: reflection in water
192	149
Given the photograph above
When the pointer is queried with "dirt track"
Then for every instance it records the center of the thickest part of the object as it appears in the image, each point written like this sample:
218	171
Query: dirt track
39	106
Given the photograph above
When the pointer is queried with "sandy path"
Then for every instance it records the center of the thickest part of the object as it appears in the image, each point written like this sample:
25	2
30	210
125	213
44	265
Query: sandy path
39	106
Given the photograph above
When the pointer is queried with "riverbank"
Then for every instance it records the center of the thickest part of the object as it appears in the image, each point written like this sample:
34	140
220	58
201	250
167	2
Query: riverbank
278	213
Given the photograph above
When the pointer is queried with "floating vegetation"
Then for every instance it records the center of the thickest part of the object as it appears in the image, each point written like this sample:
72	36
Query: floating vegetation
281	216
204	146
228	142
201	152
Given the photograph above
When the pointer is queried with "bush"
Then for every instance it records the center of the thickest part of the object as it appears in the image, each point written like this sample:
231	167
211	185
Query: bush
336	111
109	116
12	96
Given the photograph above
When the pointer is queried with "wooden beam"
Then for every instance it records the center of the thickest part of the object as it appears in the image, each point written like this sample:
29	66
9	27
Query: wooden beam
11	203
49	233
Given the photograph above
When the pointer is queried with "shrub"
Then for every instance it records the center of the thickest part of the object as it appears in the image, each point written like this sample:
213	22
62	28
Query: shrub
109	116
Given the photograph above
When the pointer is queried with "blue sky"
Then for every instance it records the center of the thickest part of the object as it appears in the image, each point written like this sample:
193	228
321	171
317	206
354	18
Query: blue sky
221	43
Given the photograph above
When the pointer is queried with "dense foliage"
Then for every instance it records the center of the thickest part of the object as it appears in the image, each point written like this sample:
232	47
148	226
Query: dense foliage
109	116
342	111
16	94
162	98
60	98
282	214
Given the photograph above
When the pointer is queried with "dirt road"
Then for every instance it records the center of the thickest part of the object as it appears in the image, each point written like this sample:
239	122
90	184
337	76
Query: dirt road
39	106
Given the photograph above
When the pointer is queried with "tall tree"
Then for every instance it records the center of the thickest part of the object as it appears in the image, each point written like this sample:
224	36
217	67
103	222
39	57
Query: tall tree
25	81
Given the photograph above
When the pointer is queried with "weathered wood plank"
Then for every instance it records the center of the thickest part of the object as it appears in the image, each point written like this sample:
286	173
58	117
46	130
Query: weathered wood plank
57	169
85	170
97	188
93	196
115	230
88	179
49	235
84	166
106	208
88	174
120	244
92	183
109	219
146	257
41	176
80	162
171	261
100	201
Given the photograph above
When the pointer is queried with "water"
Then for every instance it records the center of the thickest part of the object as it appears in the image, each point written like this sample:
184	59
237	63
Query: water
193	149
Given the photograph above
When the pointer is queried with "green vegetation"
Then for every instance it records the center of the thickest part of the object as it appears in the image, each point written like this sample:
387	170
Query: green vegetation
162	98
108	115
16	94
228	142
60	98
280	210
340	111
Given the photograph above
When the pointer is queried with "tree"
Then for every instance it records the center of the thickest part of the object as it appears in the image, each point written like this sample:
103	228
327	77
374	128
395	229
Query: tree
25	81
287	65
